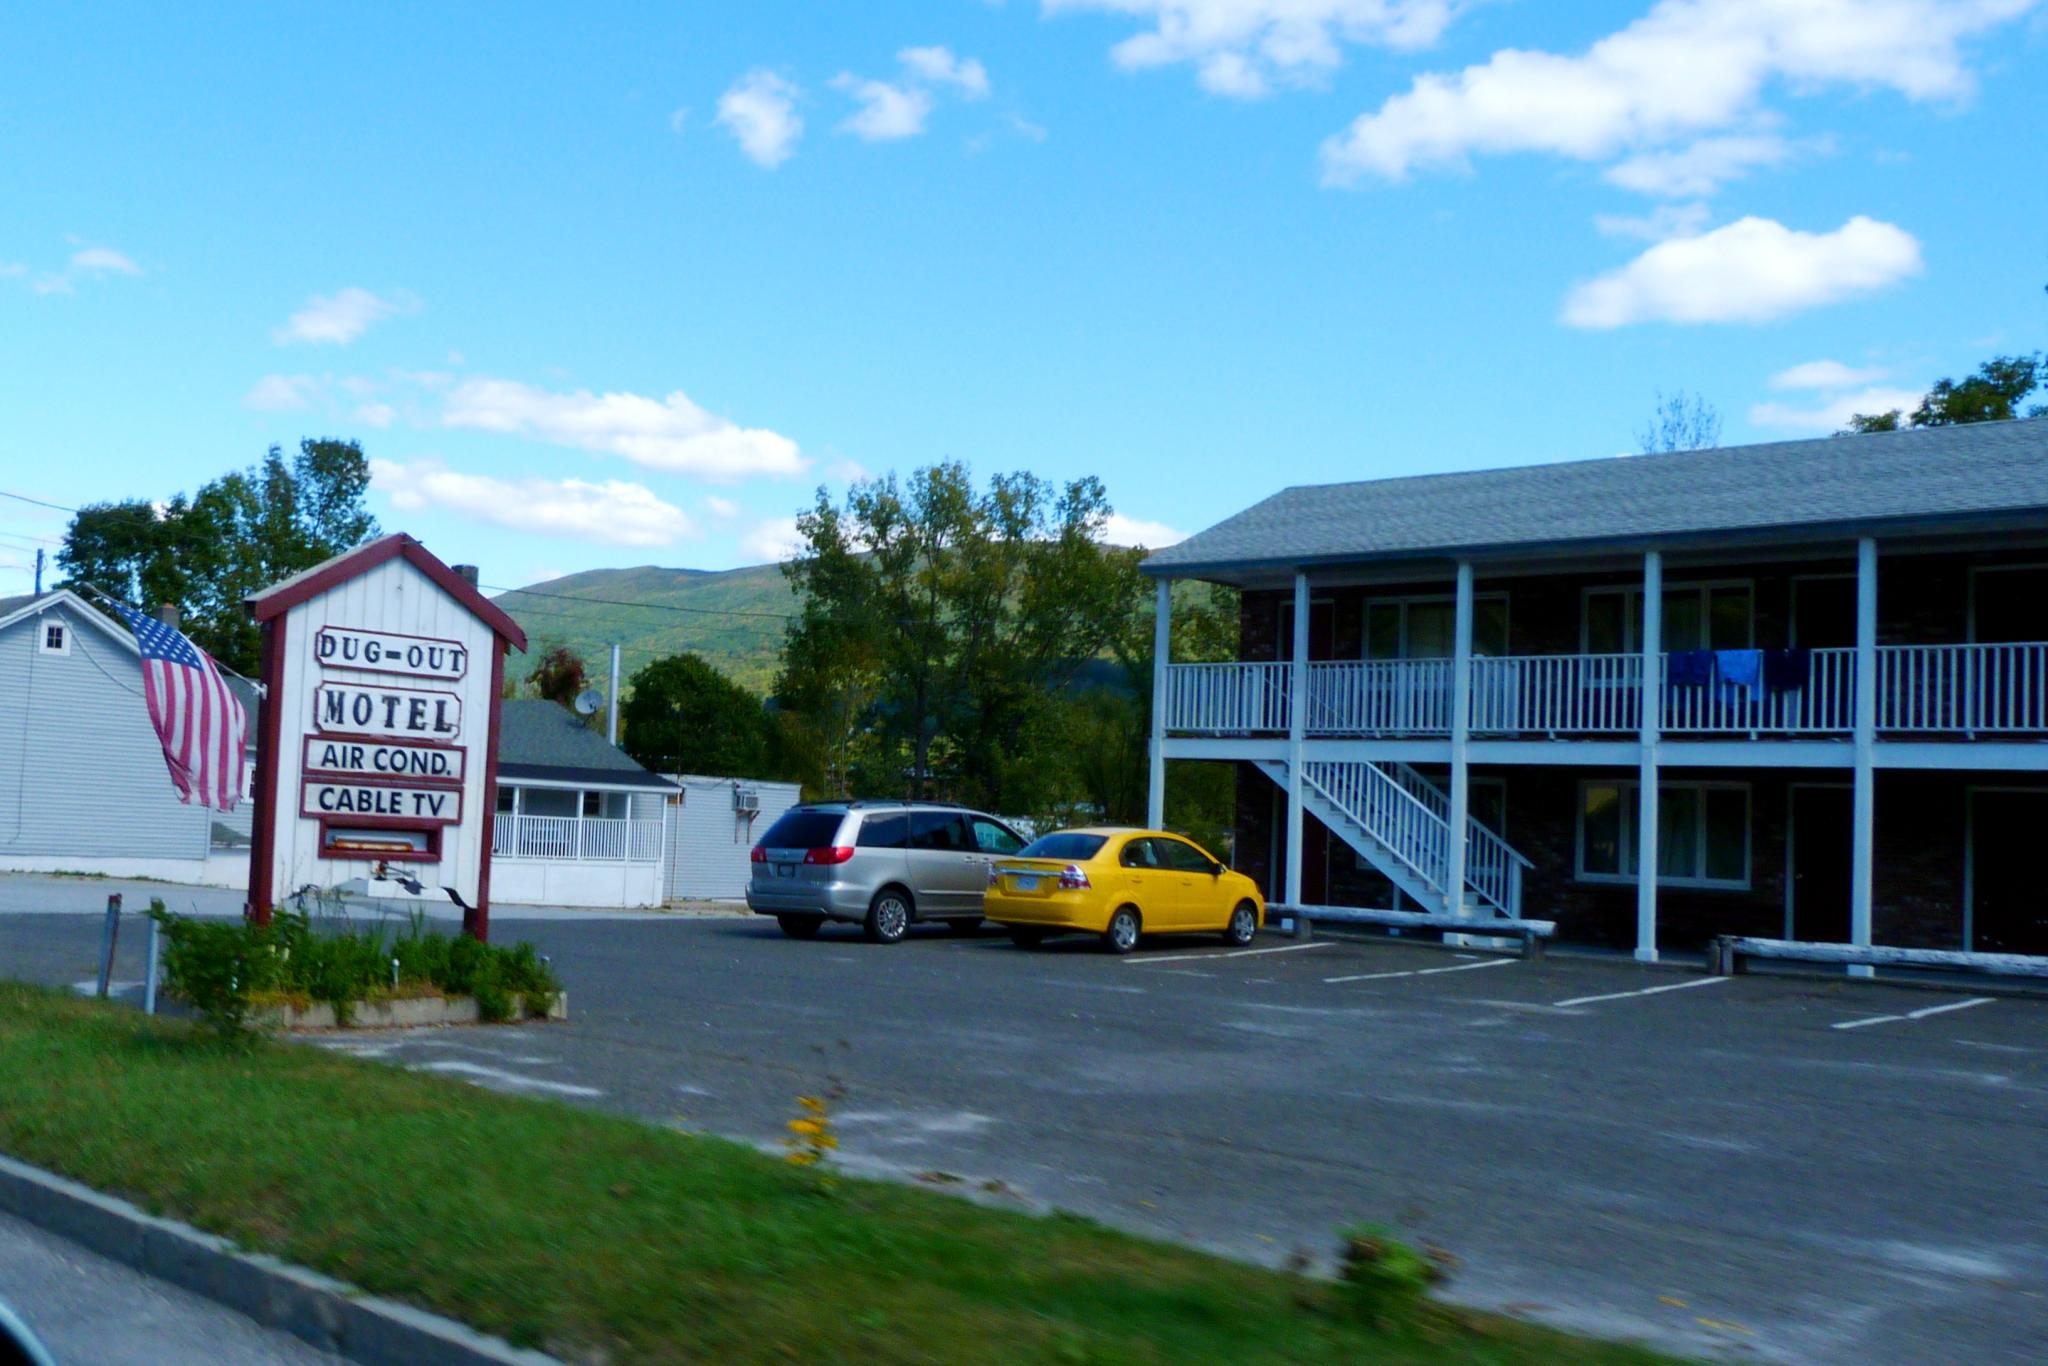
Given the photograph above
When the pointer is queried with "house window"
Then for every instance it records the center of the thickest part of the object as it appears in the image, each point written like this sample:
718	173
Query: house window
1702	833
1427	628
55	638
2008	603
1697	616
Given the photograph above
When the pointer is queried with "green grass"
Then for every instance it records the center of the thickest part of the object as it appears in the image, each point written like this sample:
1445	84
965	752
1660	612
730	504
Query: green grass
600	1238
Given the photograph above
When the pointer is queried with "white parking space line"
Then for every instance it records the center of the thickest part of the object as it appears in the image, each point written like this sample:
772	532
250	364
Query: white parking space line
1227	953
1646	991
1425	972
1916	1014
498	1079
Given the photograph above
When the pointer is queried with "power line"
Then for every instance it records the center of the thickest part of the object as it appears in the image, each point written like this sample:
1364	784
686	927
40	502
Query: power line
24	498
656	606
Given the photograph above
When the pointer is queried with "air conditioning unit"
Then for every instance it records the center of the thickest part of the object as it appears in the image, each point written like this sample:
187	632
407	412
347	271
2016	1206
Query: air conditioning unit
746	799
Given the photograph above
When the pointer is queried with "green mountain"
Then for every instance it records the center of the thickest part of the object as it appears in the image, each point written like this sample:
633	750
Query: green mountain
733	618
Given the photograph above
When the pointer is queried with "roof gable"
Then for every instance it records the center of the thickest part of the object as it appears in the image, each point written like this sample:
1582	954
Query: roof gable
288	593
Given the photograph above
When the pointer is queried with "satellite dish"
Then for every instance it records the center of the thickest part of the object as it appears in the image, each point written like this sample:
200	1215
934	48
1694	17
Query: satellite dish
588	701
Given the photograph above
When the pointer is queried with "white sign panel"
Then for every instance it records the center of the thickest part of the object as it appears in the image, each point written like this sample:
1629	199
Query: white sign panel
380	801
402	713
387	652
385	759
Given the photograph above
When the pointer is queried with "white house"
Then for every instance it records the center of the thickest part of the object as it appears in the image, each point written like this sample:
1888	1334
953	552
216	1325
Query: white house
712	835
579	822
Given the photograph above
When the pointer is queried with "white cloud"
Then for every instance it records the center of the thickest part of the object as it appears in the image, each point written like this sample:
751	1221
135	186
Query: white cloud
938	66
1833	414
103	261
1752	270
760	112
1663	221
723	508
773	541
284	393
1687	68
671	434
1239	48
339	318
379	415
1825	375
1701	168
612	513
847	471
1130	531
887	112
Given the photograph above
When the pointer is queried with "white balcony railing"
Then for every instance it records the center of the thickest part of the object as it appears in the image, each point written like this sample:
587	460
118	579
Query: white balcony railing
566	839
1921	689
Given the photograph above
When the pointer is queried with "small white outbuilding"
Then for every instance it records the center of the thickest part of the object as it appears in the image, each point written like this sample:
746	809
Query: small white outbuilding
711	838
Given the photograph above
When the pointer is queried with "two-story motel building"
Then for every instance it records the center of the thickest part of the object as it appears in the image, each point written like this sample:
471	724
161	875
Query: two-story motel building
1805	682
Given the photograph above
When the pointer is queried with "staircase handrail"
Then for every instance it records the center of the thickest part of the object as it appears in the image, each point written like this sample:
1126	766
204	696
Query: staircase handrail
1434	877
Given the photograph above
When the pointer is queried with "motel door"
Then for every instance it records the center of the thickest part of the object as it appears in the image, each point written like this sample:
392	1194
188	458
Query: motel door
1822	834
2008	904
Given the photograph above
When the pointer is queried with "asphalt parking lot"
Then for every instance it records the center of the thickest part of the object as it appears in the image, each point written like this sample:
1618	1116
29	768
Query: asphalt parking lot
1753	1168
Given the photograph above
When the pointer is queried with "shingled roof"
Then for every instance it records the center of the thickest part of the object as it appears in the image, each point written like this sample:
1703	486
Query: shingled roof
1982	471
539	739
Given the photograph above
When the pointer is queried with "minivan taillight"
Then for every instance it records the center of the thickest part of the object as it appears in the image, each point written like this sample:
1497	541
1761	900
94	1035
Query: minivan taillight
833	853
760	853
1073	878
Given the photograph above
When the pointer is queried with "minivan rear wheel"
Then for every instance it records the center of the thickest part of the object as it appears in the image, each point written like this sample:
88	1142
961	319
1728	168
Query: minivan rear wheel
801	926
888	915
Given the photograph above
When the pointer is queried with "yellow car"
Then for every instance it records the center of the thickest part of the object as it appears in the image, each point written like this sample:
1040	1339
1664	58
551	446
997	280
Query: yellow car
1119	884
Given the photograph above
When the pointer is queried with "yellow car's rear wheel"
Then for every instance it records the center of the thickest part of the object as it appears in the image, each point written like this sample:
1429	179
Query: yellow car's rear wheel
1121	934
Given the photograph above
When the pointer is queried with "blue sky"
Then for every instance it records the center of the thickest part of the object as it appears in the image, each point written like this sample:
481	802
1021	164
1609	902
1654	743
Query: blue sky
623	287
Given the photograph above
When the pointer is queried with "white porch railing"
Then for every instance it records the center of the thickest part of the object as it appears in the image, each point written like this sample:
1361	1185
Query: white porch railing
1975	689
1492	866
1379	697
565	839
1230	699
1957	689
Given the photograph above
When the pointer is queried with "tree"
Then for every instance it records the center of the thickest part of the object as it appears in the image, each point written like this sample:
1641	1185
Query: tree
684	716
1682	422
939	625
1992	394
240	533
559	675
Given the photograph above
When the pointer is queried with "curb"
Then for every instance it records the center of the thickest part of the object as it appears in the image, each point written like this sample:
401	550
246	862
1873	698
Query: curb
331	1315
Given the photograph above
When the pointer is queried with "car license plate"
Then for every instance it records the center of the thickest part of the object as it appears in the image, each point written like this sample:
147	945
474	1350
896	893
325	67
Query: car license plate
785	870
1027	884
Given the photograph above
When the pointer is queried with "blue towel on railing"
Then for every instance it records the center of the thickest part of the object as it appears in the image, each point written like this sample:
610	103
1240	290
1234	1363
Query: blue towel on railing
1741	671
1689	668
1787	670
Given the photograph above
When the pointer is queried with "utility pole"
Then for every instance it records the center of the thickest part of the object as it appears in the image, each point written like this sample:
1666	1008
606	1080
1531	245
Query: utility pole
612	712
39	573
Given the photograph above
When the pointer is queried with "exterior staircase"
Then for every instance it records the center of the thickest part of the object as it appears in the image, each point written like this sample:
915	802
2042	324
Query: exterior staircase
1399	822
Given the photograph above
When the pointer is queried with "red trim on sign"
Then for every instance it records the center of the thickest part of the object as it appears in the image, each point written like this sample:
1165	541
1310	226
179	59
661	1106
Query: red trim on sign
391	635
281	598
477	920
263	828
373	819
309	769
431	854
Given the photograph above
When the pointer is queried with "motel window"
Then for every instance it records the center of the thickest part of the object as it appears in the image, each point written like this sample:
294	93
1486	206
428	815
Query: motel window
508	800
1702	833
1427	628
56	638
547	801
1697	616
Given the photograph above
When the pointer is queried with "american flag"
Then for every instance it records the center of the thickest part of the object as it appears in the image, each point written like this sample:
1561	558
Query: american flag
201	723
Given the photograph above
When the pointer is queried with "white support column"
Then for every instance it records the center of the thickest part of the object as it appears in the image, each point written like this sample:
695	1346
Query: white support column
1650	735
1297	730
1461	734
1863	845
1162	649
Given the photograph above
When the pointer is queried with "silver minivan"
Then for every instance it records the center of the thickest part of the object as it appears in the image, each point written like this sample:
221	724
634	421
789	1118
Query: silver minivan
881	865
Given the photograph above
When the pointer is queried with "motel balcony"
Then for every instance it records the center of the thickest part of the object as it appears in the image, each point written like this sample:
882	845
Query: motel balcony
1958	691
